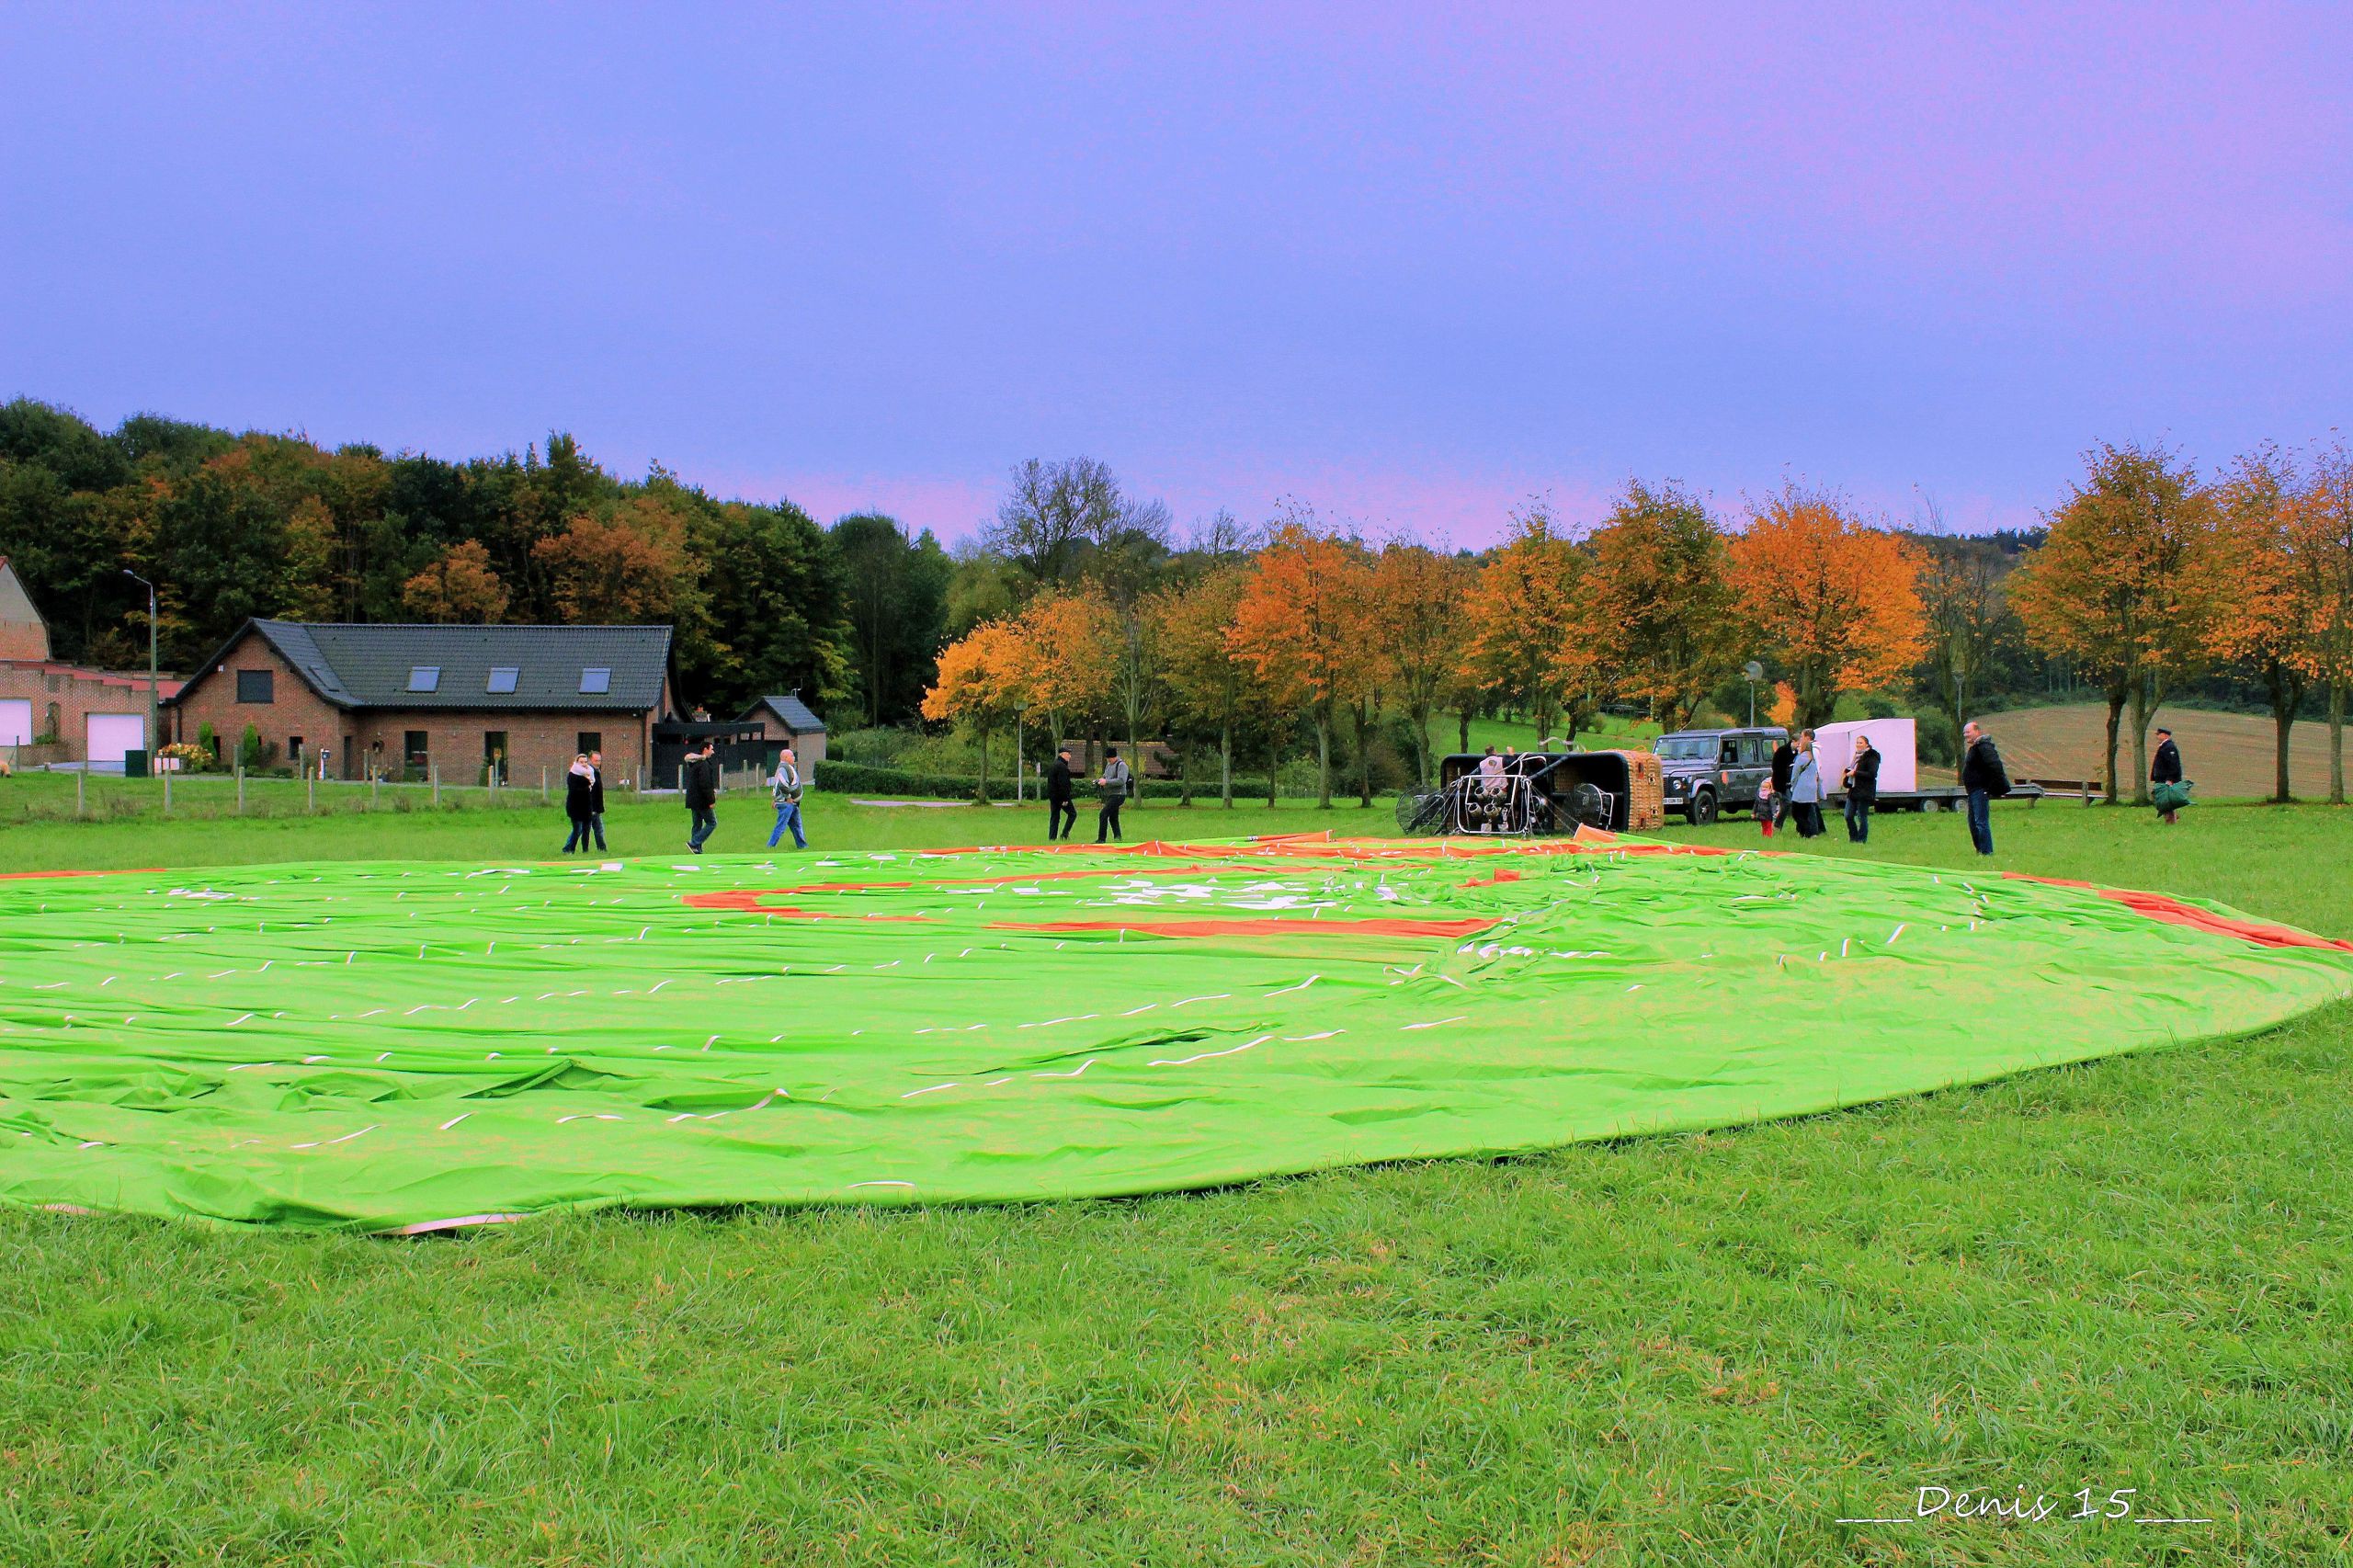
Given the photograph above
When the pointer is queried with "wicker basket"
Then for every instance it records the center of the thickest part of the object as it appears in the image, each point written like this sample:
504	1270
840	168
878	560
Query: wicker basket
1646	811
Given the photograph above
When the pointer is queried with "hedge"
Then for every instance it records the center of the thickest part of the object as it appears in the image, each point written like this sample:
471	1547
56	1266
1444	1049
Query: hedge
857	779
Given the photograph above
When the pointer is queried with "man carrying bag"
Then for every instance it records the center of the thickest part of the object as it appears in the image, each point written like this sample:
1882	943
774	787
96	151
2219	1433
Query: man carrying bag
1113	789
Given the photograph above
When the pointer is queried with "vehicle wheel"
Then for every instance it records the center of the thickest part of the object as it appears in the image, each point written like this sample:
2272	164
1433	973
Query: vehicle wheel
1703	808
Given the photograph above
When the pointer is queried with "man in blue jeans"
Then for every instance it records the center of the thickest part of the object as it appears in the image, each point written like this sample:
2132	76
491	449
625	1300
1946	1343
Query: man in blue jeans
784	787
1983	774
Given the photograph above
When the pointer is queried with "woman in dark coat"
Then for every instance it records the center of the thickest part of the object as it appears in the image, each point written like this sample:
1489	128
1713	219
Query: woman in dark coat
579	801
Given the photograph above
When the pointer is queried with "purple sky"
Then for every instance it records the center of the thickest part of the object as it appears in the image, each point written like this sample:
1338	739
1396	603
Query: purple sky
1409	271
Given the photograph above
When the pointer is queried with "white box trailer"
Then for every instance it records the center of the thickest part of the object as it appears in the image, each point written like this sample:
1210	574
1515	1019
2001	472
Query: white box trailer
1897	740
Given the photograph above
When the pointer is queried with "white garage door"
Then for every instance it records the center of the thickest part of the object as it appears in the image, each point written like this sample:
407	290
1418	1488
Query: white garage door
111	734
15	722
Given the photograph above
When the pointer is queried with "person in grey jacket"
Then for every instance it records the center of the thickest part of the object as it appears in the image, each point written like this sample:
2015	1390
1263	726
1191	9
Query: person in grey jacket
1806	787
1113	788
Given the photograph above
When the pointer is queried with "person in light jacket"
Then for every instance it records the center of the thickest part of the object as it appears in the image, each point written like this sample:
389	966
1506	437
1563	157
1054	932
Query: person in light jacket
784	788
1113	789
596	797
1806	787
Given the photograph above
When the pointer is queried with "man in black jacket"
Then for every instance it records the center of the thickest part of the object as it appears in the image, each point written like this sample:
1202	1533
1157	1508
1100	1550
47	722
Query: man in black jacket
2166	769
1785	766
596	797
1061	814
1983	774
1862	791
700	784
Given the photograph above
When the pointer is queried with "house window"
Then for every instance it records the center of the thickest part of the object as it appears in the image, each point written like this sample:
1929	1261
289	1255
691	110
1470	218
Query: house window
591	742
494	756
425	678
502	679
256	686
595	681
417	748
294	752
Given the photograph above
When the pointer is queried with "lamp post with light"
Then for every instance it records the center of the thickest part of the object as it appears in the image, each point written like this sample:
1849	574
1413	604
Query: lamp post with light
154	711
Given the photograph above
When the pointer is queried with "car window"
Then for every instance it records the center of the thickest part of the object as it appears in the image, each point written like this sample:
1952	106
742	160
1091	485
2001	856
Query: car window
1755	751
1731	756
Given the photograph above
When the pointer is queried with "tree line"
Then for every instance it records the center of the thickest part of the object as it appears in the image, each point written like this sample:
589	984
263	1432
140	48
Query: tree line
231	526
1079	608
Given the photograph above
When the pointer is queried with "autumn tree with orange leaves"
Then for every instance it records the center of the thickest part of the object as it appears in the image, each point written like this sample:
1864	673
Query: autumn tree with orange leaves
1520	610
1418	623
980	685
1658	602
2261	599
1063	650
1209	683
2118	586
1300	624
2321	533
1831	599
460	589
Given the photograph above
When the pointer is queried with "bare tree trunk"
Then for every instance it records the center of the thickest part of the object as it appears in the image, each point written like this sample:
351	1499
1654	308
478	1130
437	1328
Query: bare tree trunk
1185	771
1274	765
1364	758
2285	696
2115	717
1322	760
2140	741
985	766
2337	742
1462	726
1226	764
1422	746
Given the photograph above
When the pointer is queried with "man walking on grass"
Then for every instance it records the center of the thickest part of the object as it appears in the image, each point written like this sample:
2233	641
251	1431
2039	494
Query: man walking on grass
1113	787
596	797
784	788
1983	774
700	785
1061	814
2164	778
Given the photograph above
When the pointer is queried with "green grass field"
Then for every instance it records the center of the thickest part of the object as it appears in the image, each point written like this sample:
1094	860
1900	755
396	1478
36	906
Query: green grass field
2136	1274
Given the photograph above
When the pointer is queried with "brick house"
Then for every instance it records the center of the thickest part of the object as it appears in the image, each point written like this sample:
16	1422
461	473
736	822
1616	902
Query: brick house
60	712
394	701
788	718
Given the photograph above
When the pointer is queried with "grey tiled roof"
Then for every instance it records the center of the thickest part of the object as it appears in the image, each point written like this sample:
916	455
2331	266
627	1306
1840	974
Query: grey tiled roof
368	666
796	714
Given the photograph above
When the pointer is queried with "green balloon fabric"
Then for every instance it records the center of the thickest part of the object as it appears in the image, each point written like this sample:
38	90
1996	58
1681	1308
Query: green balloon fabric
407	1046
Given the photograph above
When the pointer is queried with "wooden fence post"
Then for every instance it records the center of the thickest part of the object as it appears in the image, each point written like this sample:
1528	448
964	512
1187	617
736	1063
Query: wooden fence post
241	788
81	782
311	791
433	774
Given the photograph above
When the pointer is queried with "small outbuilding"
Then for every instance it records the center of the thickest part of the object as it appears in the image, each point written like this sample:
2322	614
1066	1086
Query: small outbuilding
789	722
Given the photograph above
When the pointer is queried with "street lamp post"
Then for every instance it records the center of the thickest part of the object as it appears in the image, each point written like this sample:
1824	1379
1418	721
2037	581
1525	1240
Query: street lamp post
155	709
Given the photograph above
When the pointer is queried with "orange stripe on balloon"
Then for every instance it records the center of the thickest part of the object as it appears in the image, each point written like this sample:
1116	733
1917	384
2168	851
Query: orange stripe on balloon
1468	926
2173	911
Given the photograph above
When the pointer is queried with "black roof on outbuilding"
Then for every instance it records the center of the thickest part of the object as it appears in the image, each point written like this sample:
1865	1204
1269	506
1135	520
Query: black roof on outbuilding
360	665
796	714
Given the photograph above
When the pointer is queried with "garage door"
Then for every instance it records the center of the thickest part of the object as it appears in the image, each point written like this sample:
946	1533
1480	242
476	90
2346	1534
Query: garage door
111	734
15	722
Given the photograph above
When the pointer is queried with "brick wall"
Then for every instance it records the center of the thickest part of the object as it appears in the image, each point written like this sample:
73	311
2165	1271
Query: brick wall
75	693
456	742
293	709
